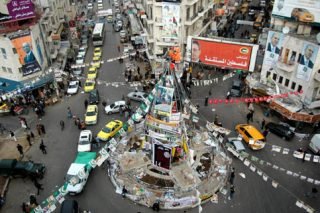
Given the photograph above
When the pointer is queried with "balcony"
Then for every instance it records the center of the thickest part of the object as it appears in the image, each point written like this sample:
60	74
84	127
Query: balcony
191	20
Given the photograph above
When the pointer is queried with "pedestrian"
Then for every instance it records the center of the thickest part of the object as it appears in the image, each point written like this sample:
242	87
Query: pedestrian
104	103
263	123
12	135
94	143
129	102
313	193
29	139
251	108
124	191
80	85
210	92
126	114
86	103
25	207
232	175
232	191
206	100
39	129
62	125
31	135
20	150
42	147
156	206
43	130
77	122
228	95
249	117
138	69
265	133
33	200
38	186
118	48
69	113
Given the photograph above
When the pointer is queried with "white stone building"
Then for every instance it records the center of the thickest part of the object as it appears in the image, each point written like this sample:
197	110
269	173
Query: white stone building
168	24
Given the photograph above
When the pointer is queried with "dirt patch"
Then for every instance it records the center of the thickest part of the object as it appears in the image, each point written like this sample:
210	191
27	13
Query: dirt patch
157	181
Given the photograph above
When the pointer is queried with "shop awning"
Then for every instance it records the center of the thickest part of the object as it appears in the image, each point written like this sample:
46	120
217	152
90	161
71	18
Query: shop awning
7	85
37	82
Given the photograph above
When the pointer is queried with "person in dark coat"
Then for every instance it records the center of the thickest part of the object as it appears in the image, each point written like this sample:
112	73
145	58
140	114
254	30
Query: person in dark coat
86	103
29	139
43	147
20	149
43	130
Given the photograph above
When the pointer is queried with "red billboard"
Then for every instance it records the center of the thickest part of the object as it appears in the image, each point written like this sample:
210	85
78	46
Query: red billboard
221	54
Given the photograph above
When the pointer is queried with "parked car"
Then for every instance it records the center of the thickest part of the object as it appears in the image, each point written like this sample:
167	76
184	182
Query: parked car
118	16
236	89
236	144
280	130
15	168
80	59
84	42
92	73
73	87
89	85
77	71
303	15
85	138
137	96
82	51
123	36
97	52
251	136
115	107
91	116
69	206
94	97
110	130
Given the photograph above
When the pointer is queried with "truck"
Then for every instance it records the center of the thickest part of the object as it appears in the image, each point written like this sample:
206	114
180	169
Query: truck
15	168
78	172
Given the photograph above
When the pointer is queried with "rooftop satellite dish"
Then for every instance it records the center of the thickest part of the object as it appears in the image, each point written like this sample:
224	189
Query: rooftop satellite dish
285	30
318	38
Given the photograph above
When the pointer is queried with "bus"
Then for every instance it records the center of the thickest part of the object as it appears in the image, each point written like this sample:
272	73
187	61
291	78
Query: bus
98	34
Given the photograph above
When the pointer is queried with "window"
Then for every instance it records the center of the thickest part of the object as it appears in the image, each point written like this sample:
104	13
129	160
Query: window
268	74
4	69
14	50
299	88
52	20
274	77
188	13
9	70
4	53
293	85
280	80
194	10
287	82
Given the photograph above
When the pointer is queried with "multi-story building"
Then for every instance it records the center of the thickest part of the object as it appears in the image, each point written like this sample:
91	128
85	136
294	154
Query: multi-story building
292	59
30	40
168	23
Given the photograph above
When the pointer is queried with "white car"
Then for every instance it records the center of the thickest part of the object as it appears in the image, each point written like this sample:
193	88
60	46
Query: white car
85	138
115	107
80	59
82	51
73	87
137	96
90	6
100	6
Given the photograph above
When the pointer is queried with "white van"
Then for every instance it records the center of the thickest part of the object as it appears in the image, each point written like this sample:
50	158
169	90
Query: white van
314	144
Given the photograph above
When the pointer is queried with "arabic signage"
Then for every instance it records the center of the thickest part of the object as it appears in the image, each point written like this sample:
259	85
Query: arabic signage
221	54
163	100
16	10
170	20
22	42
284	52
298	10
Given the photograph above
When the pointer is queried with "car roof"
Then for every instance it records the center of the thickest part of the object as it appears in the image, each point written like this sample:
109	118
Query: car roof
73	82
91	107
112	123
251	129
119	102
85	132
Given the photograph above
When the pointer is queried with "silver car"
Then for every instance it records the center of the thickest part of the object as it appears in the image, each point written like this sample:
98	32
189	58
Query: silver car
137	96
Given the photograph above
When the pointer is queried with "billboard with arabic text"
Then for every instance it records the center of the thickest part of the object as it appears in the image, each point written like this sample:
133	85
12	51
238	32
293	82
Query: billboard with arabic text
223	54
11	10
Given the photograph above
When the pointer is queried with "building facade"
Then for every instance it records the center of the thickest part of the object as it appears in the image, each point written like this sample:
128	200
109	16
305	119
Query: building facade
168	23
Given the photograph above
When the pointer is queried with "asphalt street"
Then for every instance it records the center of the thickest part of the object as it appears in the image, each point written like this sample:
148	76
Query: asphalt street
252	193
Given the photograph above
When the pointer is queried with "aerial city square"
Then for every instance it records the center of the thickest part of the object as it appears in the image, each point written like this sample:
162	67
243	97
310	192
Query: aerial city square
146	106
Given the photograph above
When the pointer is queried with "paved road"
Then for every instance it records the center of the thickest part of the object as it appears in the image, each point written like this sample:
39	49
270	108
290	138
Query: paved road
252	193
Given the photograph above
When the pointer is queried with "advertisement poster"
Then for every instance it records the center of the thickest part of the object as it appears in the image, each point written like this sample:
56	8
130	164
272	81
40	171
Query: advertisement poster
220	54
161	156
298	10
163	100
288	53
23	45
170	20
16	10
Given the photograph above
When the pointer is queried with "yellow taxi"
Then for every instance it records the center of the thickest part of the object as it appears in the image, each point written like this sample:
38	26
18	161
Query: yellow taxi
96	62
251	136
92	73
97	52
110	130
89	85
91	115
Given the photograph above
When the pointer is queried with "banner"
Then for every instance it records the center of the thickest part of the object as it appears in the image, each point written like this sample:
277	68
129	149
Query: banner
221	54
170	20
12	10
298	10
22	43
163	100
